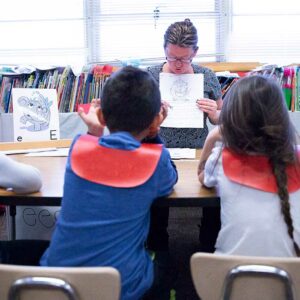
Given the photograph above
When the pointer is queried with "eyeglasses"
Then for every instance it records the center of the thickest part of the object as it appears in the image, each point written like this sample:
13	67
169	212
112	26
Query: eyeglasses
182	60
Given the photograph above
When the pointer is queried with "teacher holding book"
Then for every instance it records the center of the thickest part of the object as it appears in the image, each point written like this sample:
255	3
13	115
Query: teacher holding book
181	46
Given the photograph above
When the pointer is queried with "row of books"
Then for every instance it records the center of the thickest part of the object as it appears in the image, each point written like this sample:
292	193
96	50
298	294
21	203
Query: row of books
289	79
226	80
73	90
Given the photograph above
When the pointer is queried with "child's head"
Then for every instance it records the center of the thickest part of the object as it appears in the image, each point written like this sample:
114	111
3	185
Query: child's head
254	118
130	100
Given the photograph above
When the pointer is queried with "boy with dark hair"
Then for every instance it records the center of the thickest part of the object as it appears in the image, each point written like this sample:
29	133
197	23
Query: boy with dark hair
111	182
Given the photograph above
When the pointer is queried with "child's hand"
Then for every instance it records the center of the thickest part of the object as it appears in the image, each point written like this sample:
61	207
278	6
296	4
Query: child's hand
153	131
91	118
213	136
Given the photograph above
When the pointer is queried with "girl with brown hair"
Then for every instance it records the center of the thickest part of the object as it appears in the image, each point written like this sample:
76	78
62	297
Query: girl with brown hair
253	161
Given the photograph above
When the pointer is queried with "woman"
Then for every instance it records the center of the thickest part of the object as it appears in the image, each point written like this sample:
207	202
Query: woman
180	45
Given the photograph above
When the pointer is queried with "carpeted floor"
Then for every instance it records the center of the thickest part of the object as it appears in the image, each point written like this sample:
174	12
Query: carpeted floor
184	241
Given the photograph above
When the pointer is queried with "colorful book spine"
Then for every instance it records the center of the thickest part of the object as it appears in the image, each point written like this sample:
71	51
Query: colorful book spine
297	89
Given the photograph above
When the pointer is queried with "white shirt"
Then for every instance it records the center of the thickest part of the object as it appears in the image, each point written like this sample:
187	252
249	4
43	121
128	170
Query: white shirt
252	222
19	177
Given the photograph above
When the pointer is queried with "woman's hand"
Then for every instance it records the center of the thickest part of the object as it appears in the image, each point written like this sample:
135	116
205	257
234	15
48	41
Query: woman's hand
207	105
91	119
210	107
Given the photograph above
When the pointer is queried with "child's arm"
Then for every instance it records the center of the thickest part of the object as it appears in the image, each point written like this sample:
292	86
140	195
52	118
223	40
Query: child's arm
20	177
168	175
91	119
213	136
168	171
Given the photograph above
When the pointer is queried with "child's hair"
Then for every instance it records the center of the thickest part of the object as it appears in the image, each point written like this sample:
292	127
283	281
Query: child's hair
130	100
183	34
254	118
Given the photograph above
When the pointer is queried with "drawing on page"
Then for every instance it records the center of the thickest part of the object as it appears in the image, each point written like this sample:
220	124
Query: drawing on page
180	90
35	111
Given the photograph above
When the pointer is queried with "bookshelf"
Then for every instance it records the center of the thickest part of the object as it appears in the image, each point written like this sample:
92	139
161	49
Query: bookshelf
73	89
231	66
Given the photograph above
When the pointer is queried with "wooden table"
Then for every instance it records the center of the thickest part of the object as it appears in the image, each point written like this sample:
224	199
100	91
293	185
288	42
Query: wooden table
188	192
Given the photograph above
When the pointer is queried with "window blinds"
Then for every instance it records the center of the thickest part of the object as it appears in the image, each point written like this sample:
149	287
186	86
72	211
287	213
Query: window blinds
42	32
265	31
134	29
76	32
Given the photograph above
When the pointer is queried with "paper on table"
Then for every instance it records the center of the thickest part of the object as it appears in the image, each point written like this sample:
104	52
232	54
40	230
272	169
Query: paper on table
181	153
22	151
56	152
182	92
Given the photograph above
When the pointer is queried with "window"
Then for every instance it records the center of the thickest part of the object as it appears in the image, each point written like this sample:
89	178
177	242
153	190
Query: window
42	32
264	31
76	32
135	28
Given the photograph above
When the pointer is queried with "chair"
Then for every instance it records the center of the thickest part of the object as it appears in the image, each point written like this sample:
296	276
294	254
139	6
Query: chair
72	283
232	277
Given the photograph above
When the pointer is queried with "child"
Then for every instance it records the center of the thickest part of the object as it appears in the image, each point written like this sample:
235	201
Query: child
19	177
111	182
256	171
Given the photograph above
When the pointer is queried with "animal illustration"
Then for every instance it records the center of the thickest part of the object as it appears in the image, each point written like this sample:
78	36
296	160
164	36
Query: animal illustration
36	110
180	90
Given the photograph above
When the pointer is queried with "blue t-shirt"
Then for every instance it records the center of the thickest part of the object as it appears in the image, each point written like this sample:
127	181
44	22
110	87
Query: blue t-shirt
101	225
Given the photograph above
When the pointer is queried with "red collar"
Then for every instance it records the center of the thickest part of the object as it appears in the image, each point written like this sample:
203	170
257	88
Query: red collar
256	172
114	167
